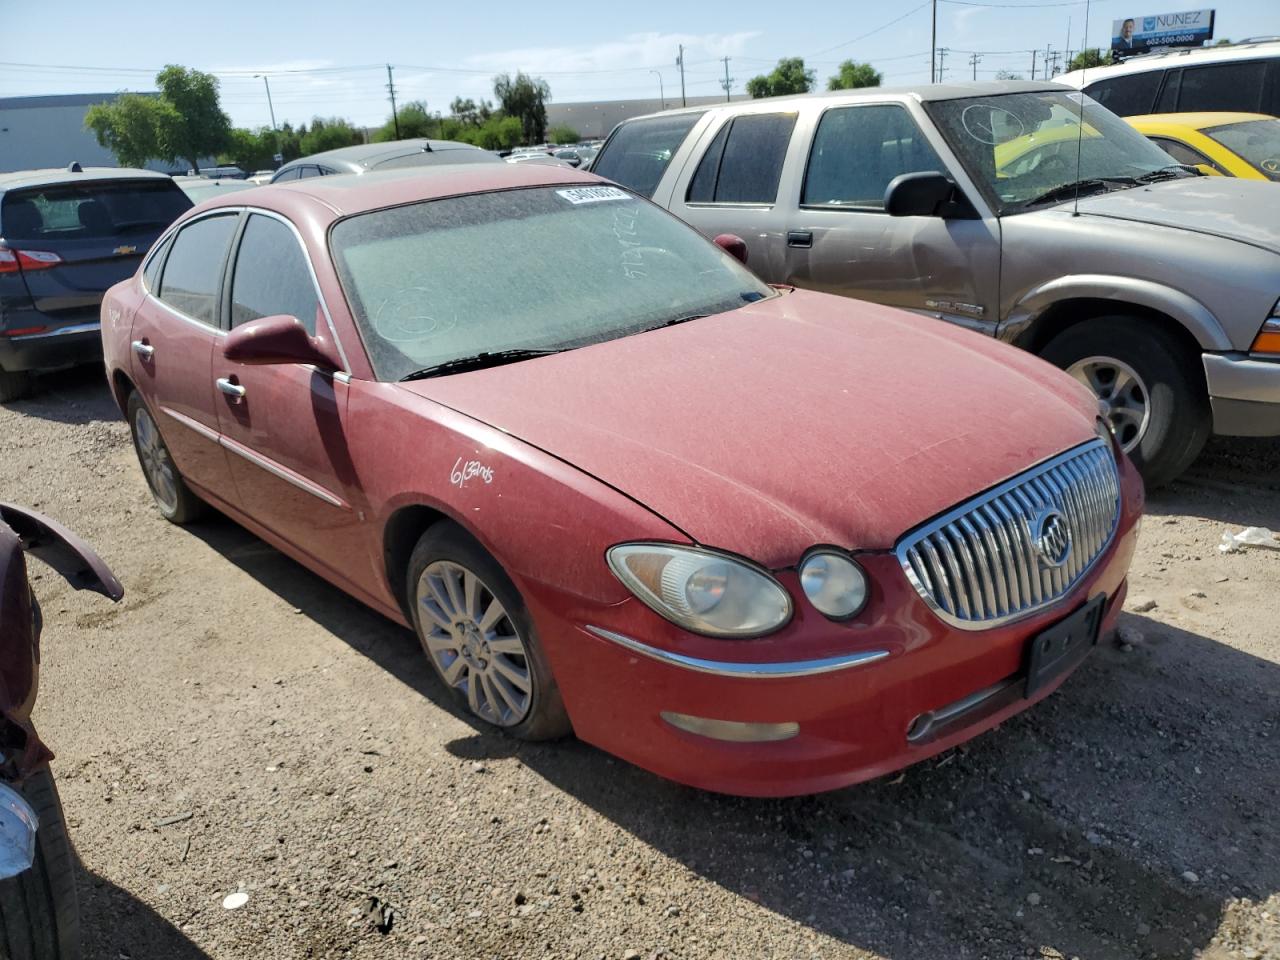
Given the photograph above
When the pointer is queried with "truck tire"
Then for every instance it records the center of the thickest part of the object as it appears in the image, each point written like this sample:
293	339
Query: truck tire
14	385
39	909
1161	412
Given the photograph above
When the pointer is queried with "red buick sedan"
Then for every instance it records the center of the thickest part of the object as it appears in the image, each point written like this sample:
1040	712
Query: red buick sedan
757	540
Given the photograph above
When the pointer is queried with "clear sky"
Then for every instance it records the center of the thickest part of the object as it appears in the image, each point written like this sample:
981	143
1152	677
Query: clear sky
328	58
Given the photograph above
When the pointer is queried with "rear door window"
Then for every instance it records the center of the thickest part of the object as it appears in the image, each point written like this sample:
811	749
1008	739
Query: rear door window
744	162
193	268
1127	96
1223	86
857	151
639	152
272	276
1182	152
105	210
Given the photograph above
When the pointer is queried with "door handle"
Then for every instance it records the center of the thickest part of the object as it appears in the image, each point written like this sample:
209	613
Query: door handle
143	349
231	389
800	238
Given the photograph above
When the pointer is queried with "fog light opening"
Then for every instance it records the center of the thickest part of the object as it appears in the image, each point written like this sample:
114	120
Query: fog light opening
731	731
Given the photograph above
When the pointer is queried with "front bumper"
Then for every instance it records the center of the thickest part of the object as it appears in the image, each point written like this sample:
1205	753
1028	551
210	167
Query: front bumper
1244	393
909	685
66	346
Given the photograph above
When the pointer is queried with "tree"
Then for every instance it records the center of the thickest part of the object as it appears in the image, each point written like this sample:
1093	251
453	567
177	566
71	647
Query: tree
852	75
1007	75
415	120
251	149
196	127
788	77
563	134
524	98
498	133
471	113
130	127
1088	59
329	134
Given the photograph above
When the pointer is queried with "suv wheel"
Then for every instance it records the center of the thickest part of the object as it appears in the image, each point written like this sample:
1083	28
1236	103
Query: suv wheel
1147	385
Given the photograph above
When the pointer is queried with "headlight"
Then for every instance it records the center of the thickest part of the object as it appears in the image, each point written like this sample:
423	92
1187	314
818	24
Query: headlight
703	591
834	584
1268	338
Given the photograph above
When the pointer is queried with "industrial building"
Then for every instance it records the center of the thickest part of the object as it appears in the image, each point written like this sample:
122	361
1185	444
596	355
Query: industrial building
49	131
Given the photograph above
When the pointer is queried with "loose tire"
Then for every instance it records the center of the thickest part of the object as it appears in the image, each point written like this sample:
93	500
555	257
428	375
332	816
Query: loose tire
479	637
173	497
14	385
39	909
1157	399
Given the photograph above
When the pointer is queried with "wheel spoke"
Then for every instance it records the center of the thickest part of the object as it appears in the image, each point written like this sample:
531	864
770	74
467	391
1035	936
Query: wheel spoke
473	692
438	642
428	606
471	594
514	701
442	601
508	645
452	577
490	699
518	677
492	616
454	671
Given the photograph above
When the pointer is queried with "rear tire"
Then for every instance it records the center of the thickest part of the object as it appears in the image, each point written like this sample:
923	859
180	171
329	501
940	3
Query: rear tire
1177	420
173	497
39	909
14	385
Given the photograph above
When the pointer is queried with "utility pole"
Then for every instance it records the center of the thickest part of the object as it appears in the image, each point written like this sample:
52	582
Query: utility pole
391	88
942	62
267	84
662	96
680	64
728	81
1034	54
933	48
973	62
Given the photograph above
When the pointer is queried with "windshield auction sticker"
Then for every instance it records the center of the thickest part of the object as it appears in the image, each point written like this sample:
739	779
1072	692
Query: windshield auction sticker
578	195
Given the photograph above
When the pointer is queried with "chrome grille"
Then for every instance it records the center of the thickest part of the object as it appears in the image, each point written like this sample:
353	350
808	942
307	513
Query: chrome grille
985	562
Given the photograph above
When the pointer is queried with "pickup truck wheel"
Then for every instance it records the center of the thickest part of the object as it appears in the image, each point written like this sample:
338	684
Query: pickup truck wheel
1148	388
173	497
14	385
479	637
39	909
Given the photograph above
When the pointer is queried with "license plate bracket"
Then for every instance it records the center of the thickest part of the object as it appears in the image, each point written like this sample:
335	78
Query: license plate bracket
1061	647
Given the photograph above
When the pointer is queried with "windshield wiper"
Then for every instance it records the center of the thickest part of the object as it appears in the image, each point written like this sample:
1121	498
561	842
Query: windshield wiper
480	361
1067	191
1178	171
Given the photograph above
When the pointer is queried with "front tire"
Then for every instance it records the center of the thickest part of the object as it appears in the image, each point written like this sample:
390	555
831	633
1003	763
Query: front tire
1156	402
39	909
479	637
173	497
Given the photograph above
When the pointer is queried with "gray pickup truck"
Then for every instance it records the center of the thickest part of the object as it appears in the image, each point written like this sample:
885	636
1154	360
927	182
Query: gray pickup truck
993	206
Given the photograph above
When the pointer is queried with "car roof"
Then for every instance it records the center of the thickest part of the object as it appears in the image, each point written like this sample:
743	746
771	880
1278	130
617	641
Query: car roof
1259	49
923	93
56	176
370	154
1196	121
345	194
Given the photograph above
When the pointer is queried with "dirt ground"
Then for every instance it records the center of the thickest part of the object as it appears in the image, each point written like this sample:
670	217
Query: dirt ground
236	724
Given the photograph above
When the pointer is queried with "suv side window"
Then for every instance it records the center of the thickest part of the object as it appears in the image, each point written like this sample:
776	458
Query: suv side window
744	162
857	151
271	275
193	269
1223	86
1127	96
638	152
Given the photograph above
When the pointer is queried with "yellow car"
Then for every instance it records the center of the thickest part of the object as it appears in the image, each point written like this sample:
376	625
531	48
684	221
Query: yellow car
1243	145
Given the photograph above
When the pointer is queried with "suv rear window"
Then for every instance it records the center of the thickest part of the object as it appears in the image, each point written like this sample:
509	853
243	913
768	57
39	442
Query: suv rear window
91	211
1127	96
1223	86
638	153
744	162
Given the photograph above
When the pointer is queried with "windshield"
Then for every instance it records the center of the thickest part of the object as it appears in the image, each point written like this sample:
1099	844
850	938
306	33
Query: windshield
1257	141
1021	146
549	268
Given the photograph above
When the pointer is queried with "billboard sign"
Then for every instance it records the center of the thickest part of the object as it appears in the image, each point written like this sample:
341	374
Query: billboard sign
1133	35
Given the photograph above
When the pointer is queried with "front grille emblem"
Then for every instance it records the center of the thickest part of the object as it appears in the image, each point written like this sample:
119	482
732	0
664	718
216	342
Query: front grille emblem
1052	538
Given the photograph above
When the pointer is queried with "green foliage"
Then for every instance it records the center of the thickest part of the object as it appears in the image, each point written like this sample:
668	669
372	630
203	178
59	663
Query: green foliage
130	127
563	134
250	150
329	134
524	98
788	77
1008	75
196	127
852	75
469	112
416	122
498	133
1088	59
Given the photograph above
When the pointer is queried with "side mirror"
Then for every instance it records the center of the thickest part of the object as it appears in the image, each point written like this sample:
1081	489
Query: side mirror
928	194
733	245
279	339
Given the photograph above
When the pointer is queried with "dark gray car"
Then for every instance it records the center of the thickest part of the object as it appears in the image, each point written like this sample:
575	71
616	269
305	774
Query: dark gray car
365	157
65	237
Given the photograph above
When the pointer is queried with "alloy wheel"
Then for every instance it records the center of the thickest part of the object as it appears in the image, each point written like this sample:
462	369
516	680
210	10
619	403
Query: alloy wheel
156	463
474	643
1126	402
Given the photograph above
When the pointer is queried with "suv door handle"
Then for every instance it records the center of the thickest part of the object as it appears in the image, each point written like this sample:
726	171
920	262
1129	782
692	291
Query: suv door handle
143	349
230	388
799	238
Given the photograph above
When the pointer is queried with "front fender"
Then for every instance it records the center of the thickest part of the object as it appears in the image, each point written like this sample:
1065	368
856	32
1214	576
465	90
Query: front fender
71	557
1199	321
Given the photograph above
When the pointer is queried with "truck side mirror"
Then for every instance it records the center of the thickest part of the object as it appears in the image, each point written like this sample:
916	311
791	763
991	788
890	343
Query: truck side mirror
927	194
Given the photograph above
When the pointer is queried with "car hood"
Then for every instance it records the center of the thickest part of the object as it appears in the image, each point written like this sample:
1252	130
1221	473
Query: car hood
1242	210
797	420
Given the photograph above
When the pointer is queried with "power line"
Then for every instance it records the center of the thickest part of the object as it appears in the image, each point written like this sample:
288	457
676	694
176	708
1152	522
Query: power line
871	33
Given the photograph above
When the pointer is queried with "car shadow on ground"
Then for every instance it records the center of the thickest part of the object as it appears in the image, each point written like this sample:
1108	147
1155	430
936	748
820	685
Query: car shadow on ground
79	395
1116	819
116	924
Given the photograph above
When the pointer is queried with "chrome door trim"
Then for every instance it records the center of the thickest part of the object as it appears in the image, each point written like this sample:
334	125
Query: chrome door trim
93	327
207	432
739	670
